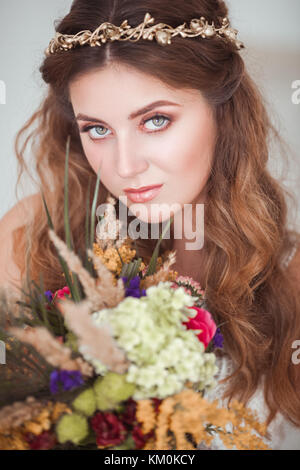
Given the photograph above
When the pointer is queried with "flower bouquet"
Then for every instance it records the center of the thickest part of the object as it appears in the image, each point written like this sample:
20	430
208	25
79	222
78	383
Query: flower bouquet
118	358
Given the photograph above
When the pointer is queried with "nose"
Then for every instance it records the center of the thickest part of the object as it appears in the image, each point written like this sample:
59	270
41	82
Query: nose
129	160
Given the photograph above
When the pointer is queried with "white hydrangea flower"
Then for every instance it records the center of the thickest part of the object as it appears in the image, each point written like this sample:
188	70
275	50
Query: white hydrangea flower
163	353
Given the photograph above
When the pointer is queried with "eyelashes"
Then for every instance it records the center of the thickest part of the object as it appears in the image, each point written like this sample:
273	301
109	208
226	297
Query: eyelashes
155	116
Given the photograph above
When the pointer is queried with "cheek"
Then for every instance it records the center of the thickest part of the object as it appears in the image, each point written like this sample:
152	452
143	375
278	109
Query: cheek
92	154
188	150
100	161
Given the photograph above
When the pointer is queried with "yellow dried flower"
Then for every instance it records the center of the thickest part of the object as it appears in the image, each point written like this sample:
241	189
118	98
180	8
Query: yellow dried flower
15	441
163	423
173	275
58	409
13	438
145	414
188	415
155	279
111	259
46	418
34	428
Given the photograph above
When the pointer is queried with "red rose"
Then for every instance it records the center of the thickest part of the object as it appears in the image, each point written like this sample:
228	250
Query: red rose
139	438
156	402
128	417
202	321
44	441
108	428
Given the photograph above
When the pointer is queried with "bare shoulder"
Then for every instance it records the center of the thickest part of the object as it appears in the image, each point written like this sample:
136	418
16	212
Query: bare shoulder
20	214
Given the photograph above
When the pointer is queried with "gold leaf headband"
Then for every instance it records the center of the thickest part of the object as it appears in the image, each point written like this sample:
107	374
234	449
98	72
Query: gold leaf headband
161	32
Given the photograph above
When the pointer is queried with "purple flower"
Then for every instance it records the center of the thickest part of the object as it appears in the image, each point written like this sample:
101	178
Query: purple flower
133	290
218	339
67	379
49	295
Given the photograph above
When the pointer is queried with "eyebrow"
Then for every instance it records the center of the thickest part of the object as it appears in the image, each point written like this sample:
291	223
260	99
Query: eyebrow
145	109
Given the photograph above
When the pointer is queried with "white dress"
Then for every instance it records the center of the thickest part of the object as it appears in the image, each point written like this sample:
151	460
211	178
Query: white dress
283	434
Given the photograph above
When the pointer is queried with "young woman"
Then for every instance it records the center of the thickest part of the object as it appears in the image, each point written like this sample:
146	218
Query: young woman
186	117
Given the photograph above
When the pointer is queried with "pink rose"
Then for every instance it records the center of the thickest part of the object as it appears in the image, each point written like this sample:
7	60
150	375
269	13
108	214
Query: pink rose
60	294
202	321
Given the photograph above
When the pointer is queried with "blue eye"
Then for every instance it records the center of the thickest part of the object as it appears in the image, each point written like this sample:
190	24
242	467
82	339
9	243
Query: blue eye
159	118
97	134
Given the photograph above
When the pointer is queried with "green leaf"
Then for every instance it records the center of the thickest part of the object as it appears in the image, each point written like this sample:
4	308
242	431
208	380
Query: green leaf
87	262
42	305
50	223
131	270
152	264
51	317
128	444
120	256
66	198
25	373
93	211
90	439
87	214
61	260
68	235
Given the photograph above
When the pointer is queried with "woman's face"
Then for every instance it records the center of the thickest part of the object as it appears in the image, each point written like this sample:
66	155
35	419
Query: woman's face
166	144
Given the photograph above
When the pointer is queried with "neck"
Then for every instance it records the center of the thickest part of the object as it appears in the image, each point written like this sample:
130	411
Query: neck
190	261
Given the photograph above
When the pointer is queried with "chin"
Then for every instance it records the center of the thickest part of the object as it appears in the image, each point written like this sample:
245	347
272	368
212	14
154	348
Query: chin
150	214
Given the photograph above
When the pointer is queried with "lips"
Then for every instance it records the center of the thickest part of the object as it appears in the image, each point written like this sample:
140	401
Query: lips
143	194
143	188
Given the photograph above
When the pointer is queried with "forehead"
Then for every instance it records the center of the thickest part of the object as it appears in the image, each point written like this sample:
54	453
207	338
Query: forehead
120	85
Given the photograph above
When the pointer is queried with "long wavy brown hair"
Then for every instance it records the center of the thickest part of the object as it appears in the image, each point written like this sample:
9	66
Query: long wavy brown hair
246	215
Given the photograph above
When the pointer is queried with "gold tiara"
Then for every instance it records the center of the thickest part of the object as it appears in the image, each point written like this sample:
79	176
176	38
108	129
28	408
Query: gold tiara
161	32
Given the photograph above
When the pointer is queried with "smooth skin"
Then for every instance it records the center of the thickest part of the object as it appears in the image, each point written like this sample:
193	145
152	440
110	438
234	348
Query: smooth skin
174	148
171	143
